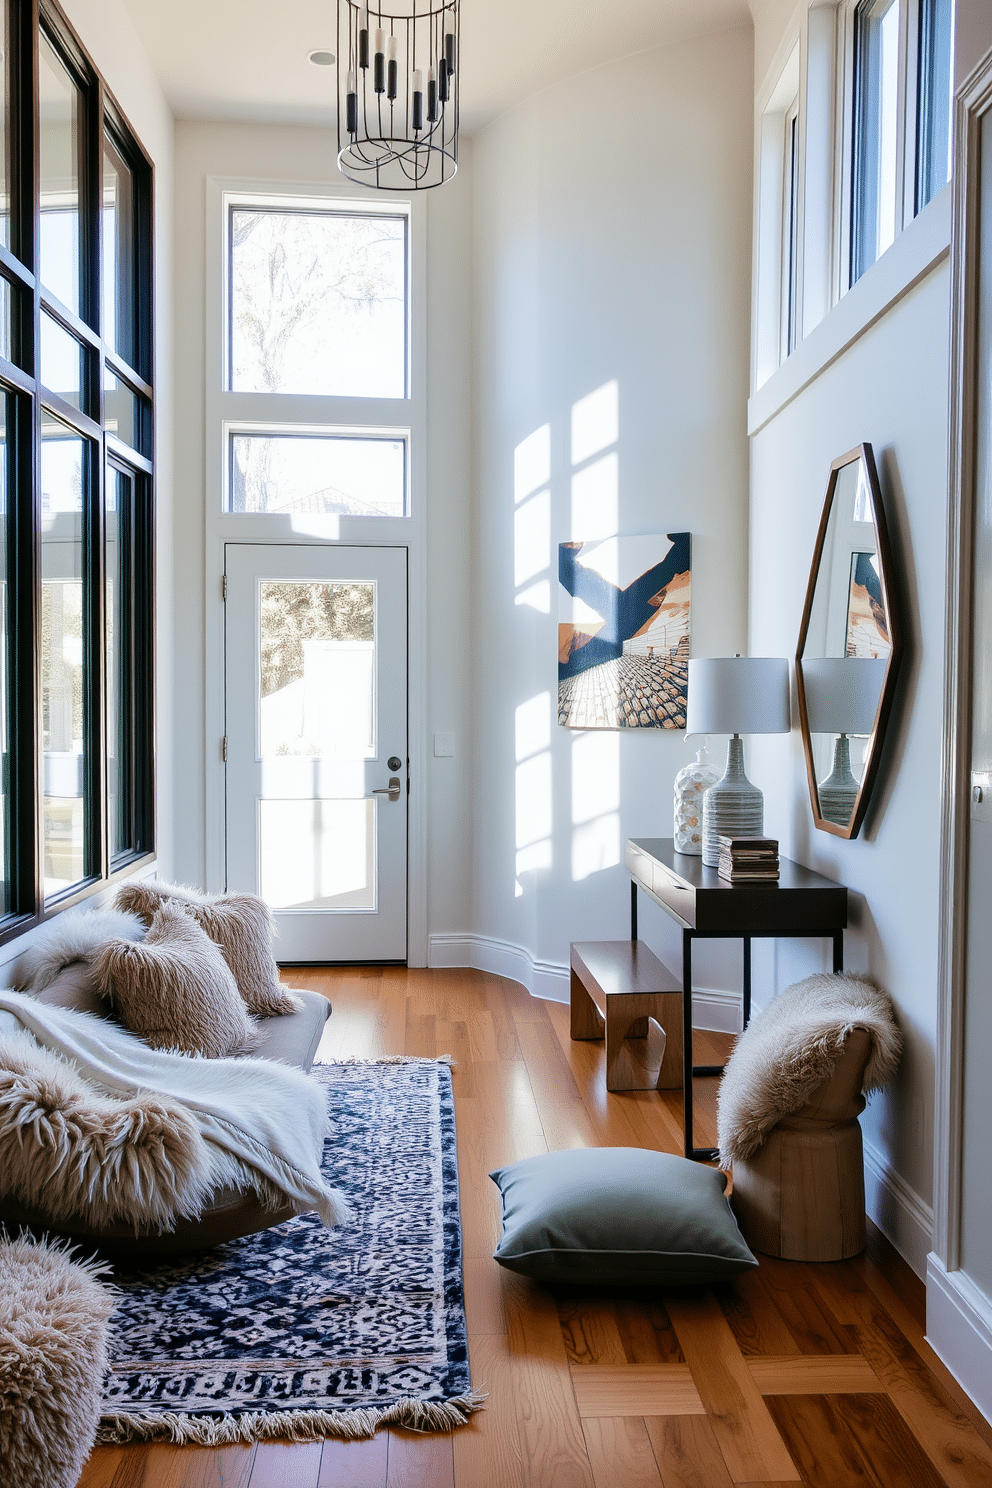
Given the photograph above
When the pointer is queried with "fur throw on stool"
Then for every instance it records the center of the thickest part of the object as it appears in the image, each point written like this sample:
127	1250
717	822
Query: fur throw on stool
791	1047
53	1356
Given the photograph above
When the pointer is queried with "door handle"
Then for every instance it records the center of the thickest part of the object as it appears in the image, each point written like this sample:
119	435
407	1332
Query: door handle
392	790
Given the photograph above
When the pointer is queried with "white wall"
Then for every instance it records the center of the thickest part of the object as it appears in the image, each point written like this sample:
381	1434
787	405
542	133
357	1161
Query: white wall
303	155
602	254
888	387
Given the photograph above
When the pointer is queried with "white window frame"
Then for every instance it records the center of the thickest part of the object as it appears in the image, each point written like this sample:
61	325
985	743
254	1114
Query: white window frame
273	412
904	205
772	246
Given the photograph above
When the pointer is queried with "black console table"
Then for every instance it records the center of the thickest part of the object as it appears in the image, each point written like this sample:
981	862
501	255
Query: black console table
707	907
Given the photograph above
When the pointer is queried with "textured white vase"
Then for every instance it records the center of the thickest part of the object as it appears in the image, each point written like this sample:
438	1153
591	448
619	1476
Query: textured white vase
691	784
731	808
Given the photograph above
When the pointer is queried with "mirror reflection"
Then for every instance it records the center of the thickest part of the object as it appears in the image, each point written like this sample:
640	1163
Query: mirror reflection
845	652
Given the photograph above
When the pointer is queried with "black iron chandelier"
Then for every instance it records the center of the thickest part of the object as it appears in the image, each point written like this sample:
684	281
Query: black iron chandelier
398	93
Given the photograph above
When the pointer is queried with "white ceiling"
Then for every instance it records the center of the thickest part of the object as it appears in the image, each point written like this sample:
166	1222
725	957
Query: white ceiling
247	59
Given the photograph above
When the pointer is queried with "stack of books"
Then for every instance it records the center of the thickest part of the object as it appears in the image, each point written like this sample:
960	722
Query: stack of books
749	859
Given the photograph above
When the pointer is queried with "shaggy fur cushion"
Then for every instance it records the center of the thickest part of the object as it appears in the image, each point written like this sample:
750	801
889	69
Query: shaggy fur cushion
77	935
240	924
74	1151
791	1047
53	1357
175	990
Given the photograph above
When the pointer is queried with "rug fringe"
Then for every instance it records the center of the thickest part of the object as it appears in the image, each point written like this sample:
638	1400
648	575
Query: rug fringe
391	1059
295	1426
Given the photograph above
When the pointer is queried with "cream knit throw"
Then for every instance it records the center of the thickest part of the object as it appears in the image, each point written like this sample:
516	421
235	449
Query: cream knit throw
787	1050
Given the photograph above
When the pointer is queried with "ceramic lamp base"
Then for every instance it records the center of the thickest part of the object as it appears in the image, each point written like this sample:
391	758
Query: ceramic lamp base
731	808
839	792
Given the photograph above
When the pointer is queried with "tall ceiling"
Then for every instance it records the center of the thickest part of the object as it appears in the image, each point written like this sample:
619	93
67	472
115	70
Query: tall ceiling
247	59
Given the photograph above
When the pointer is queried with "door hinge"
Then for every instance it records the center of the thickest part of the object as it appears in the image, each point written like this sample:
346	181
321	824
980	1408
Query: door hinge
223	749
223	586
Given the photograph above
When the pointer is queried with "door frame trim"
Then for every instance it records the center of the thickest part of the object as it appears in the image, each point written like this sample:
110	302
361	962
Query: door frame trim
974	103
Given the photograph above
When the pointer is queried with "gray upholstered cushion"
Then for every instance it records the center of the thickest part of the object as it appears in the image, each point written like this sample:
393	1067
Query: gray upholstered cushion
618	1216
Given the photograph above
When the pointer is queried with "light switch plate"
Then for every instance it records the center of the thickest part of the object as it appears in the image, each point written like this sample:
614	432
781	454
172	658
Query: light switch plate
444	746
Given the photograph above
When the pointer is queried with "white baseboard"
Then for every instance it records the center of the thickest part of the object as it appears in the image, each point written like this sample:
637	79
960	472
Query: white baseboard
901	1215
959	1330
718	1011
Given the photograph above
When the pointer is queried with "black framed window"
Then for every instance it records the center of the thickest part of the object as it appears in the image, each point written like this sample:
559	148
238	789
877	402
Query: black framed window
76	476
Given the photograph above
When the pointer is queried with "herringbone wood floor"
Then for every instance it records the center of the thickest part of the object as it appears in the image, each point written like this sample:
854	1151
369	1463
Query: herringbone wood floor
796	1374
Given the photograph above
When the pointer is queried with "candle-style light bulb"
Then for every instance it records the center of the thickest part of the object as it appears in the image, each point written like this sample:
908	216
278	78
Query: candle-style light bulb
431	95
392	69
352	104
379	64
363	36
417	111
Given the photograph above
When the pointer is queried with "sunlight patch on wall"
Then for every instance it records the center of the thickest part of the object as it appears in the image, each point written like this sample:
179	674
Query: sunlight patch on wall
536	596
531	538
596	499
595	422
533	786
595	803
532	463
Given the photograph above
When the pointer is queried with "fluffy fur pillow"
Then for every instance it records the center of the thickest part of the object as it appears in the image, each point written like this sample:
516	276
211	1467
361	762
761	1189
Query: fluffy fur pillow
75	936
175	990
53	1356
240	924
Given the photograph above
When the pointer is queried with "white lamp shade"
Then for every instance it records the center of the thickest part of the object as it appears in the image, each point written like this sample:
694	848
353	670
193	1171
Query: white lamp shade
842	693
738	695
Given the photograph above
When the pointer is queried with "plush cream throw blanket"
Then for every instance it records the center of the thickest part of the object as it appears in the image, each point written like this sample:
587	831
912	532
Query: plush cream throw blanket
90	1112
791	1047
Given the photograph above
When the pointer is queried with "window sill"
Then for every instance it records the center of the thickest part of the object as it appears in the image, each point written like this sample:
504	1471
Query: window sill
915	252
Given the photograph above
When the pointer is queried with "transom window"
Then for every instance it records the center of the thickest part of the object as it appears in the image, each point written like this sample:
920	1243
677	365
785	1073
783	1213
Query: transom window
76	684
317	351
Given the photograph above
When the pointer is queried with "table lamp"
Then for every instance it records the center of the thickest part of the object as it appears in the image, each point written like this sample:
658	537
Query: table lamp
842	694
736	695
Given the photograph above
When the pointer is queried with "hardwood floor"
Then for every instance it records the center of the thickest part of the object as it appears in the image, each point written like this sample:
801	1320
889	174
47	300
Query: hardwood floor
812	1374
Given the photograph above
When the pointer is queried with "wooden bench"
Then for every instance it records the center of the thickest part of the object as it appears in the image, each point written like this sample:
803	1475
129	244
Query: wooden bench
620	987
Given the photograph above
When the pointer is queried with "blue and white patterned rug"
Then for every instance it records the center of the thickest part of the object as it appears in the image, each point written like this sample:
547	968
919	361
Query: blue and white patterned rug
302	1332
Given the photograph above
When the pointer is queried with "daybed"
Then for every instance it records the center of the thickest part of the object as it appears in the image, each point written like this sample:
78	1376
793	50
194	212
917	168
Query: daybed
290	1039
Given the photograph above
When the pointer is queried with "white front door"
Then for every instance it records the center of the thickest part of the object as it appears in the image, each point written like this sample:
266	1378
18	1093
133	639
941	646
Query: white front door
316	708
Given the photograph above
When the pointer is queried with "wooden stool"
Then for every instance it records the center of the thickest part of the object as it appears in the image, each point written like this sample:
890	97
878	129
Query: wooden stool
620	987
802	1194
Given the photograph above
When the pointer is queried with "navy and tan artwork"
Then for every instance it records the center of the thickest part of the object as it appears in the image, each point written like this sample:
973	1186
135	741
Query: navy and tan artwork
623	632
867	622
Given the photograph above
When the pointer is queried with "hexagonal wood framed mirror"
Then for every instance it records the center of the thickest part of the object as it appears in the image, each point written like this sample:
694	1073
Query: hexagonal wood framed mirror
849	646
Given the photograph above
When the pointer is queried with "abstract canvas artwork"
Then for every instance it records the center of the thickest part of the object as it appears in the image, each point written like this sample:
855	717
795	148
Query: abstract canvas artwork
867	622
623	632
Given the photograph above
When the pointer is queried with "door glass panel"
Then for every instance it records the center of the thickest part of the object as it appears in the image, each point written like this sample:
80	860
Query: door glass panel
119	310
317	670
317	854
62	364
64	683
60	222
317	474
318	303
